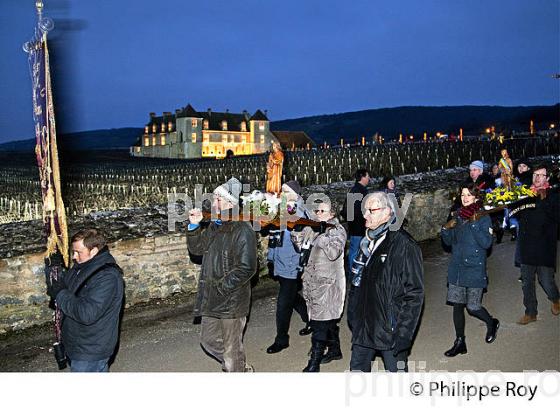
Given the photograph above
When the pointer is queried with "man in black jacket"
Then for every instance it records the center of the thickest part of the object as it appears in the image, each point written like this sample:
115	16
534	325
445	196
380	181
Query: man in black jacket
391	292
352	212
356	221
229	261
90	295
538	236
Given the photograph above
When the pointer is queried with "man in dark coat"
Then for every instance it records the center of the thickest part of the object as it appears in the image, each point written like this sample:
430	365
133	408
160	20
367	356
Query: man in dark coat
352	212
90	295
477	175
391	292
538	236
229	261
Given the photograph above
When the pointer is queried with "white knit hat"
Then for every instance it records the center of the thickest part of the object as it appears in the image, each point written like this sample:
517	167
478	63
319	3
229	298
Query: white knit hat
230	190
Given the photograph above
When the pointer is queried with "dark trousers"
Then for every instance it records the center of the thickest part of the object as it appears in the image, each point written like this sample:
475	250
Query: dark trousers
289	300
90	366
351	305
546	279
325	331
362	357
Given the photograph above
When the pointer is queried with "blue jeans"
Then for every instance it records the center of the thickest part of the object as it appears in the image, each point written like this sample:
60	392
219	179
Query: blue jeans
352	252
90	366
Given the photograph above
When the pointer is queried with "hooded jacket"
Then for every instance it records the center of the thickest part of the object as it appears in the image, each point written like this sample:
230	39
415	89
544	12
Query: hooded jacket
91	305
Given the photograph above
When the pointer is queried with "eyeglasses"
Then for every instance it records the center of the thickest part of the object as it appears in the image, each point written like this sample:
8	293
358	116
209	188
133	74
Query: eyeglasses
540	175
320	211
372	210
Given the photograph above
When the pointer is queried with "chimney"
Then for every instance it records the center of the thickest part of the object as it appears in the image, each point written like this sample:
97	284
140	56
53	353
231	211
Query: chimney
227	110
177	111
152	114
266	113
209	112
246	115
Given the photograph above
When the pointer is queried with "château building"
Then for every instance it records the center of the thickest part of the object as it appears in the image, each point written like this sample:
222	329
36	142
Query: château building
192	134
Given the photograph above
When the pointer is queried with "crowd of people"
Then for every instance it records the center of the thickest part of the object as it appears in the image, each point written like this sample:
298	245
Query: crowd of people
372	267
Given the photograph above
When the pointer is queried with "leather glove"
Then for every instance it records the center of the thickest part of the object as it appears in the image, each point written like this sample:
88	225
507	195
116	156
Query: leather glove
400	345
55	286
55	259
54	262
450	224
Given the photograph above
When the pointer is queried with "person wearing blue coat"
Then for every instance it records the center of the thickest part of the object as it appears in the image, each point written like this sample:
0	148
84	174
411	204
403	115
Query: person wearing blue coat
285	260
469	237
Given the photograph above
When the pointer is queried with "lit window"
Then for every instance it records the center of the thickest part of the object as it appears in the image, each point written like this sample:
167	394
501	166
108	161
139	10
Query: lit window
170	126
262	139
154	140
146	142
206	138
154	128
163	140
162	127
193	137
206	124
224	125
194	123
261	126
243	126
137	149
146	129
224	138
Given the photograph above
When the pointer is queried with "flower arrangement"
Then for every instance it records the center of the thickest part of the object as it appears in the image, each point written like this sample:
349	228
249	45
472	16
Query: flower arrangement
503	196
262	203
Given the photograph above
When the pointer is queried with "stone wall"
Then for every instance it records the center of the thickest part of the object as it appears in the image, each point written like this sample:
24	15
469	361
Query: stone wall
158	266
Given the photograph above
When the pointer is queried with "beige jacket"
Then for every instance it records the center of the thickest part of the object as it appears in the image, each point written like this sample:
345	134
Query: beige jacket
324	283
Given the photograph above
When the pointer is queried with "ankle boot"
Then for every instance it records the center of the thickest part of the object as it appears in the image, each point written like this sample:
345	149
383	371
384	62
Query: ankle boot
459	347
333	347
314	364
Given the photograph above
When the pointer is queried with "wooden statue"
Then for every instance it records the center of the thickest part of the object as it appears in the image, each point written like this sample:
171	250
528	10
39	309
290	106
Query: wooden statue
274	170
506	169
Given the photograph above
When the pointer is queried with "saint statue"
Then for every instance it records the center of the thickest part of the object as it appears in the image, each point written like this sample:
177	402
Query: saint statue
506	168
274	169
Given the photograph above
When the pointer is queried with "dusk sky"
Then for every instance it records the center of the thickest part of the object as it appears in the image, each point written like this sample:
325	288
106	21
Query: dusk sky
123	59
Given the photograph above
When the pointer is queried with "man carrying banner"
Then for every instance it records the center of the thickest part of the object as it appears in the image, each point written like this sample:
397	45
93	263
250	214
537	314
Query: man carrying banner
90	296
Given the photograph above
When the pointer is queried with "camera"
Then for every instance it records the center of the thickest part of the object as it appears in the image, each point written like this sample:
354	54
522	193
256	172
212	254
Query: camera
304	256
60	355
275	239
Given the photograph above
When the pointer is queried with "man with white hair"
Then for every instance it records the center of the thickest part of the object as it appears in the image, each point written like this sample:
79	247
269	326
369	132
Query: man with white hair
391	292
229	261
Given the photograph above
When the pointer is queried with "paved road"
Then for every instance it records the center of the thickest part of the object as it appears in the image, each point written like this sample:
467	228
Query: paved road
161	337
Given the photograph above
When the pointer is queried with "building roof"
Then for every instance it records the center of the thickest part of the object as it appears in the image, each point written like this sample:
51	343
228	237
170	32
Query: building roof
287	139
259	116
214	118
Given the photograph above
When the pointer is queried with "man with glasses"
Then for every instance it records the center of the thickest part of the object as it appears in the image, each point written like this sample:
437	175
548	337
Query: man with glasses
391	291
229	261
538	236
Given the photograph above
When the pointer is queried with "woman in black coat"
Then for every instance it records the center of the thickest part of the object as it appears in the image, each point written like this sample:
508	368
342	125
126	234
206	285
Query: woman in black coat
469	239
